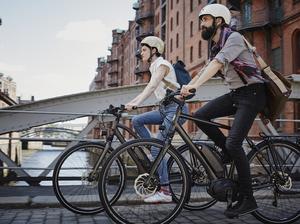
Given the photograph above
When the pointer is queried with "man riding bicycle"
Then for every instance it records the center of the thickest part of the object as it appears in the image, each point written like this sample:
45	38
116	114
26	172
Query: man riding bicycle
230	58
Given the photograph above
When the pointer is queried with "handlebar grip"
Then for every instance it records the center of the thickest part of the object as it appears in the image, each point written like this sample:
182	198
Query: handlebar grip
192	90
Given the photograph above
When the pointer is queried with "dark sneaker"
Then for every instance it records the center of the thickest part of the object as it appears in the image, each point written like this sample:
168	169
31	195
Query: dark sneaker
244	206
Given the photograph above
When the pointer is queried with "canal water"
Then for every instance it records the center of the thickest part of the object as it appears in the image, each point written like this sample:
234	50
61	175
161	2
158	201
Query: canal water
39	159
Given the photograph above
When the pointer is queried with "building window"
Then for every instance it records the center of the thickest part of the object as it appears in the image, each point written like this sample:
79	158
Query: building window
163	14
163	32
276	59
199	23
177	58
191	5
199	49
191	29
171	23
199	2
296	51
177	40
191	54
247	9
177	1
171	45
177	18
171	4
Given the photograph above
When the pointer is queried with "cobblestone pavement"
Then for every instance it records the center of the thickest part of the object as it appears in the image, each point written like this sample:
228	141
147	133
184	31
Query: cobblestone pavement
61	215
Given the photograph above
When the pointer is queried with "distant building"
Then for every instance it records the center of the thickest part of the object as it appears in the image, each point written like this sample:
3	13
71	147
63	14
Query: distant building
8	88
272	26
12	148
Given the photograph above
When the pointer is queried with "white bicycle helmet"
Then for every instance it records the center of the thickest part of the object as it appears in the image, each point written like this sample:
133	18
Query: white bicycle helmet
156	42
216	10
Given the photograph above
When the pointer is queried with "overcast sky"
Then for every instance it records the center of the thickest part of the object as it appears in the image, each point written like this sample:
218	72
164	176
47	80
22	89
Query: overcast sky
50	47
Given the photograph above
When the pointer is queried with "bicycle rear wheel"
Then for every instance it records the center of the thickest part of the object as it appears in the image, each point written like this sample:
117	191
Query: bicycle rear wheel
276	182
130	206
72	182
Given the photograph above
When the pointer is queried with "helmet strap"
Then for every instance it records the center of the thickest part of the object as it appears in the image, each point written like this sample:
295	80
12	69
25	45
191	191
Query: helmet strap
151	56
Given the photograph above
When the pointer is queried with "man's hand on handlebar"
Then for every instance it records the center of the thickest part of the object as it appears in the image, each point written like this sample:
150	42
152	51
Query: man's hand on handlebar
187	90
130	106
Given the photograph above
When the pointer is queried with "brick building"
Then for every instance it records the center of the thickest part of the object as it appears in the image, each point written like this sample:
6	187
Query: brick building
273	26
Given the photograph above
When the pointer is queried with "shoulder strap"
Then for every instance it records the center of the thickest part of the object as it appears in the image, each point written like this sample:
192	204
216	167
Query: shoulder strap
261	61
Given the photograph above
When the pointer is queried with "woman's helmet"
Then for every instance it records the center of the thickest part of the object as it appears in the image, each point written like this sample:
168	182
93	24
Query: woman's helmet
216	10
154	42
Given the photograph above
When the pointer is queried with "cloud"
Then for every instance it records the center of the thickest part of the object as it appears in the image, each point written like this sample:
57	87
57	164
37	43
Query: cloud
88	31
9	68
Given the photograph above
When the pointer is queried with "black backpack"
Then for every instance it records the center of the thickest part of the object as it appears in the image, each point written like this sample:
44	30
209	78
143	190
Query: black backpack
182	75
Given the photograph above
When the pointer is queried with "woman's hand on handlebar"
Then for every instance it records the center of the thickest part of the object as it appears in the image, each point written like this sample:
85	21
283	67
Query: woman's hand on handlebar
187	90
130	106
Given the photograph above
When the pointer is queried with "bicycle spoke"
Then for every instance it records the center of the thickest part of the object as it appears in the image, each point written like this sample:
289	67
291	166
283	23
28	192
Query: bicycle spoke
276	181
140	186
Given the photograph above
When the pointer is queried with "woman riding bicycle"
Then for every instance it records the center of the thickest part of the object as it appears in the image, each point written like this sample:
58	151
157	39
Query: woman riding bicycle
230	57
162	78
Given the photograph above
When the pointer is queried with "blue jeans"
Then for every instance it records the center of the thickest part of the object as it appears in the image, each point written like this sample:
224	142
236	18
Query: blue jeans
160	118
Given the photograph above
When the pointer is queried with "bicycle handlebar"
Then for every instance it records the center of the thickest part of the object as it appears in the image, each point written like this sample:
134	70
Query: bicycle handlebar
171	96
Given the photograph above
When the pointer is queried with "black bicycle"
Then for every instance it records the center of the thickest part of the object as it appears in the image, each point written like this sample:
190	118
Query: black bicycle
76	173
198	168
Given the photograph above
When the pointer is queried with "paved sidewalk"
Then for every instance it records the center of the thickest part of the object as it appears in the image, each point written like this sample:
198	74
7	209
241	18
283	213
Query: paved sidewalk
38	205
212	215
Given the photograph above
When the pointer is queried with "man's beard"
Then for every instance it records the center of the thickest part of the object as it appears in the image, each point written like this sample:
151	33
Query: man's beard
208	32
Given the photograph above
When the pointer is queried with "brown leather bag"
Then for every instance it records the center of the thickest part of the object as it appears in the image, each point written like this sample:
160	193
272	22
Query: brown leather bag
278	88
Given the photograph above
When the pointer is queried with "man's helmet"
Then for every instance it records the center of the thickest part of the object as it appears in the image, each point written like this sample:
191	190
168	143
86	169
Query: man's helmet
216	10
156	42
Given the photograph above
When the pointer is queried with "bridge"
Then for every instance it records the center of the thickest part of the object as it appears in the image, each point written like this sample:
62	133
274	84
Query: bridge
21	117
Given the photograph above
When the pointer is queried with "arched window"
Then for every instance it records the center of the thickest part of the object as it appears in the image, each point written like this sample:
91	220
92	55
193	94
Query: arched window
177	40
296	51
191	29
171	23
191	54
177	18
171	45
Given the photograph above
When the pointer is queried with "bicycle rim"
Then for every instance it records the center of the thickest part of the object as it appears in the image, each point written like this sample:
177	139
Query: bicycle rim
71	182
198	199
130	207
277	190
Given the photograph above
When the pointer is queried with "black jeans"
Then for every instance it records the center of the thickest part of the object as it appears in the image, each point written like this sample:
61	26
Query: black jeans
245	103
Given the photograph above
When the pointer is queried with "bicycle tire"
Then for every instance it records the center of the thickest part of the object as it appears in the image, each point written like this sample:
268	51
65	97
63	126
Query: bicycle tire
273	208
82	197
131	204
199	198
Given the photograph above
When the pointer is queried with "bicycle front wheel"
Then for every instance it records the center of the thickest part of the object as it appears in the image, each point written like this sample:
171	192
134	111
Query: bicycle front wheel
130	207
276	181
74	185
